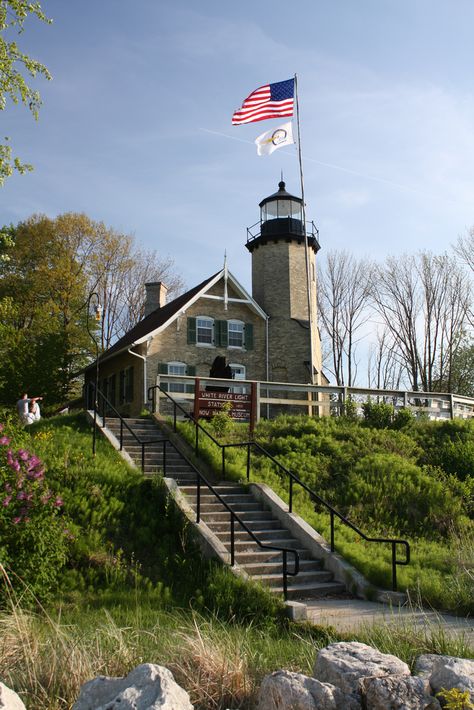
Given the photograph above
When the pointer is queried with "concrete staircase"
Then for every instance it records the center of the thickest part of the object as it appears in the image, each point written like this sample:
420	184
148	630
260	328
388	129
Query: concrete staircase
148	431
263	565
260	564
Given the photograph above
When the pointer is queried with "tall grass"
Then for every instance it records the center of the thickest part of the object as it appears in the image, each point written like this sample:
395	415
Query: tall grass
47	655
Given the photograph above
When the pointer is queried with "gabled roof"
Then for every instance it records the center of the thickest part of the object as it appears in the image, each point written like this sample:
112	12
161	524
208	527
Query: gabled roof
160	318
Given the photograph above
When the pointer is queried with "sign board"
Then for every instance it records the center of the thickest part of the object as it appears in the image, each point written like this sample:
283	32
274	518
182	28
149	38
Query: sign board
207	403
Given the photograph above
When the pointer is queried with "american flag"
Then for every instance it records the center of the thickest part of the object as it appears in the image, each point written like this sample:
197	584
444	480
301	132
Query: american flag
269	101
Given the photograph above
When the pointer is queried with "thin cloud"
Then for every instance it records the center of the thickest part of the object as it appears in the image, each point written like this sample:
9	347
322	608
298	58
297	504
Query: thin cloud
332	166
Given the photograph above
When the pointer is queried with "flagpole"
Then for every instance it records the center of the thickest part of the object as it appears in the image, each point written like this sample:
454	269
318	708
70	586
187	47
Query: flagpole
306	249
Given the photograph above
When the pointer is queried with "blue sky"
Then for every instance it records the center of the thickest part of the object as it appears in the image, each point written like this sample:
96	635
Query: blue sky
135	128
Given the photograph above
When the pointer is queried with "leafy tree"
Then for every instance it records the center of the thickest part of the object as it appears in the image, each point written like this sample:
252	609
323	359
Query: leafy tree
51	268
7	240
43	291
14	65
462	370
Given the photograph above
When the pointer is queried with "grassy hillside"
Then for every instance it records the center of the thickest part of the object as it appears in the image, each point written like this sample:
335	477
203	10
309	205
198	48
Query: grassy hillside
109	577
413	482
105	527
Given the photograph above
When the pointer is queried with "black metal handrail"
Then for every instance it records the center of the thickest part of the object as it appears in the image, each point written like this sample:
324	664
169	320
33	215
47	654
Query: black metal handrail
200	479
293	479
102	399
234	516
332	511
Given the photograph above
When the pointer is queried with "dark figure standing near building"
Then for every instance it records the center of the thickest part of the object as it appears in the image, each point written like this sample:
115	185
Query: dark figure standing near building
220	370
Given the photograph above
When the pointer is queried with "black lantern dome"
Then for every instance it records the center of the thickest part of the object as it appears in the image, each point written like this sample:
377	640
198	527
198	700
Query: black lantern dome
281	219
281	213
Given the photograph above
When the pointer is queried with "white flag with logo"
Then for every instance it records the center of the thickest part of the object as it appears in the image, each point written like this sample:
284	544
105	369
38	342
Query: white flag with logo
277	138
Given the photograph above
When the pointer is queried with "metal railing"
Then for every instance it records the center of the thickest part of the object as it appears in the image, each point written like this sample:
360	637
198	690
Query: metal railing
234	518
293	479
200	479
104	405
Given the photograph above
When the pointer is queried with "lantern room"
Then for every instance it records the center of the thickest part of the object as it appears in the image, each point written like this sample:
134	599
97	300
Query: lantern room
281	213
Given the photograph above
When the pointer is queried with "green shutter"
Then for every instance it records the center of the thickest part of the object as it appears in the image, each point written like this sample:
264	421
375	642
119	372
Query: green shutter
163	370
248	336
221	333
191	331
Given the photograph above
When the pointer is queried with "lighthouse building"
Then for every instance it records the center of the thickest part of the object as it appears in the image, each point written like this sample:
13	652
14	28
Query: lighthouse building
268	335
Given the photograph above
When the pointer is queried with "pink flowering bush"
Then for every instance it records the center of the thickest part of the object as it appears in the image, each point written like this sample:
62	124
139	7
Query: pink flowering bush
33	543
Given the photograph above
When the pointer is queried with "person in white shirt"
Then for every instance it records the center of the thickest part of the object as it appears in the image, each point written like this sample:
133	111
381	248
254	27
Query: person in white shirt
34	414
22	407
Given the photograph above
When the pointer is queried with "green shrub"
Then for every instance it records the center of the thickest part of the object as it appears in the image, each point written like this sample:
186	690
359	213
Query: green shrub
398	495
448	444
382	479
404	417
34	538
379	415
349	410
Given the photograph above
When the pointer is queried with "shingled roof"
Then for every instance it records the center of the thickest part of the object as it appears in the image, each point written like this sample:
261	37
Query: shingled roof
153	321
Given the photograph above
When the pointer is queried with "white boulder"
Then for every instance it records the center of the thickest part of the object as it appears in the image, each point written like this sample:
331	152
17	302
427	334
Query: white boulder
283	690
147	687
394	692
9	699
344	664
449	672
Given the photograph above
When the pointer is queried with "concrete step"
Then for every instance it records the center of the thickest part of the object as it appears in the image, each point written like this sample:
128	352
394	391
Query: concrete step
221	488
215	505
250	516
249	545
259	556
302	579
260	561
265	536
255	526
310	590
306	565
234	500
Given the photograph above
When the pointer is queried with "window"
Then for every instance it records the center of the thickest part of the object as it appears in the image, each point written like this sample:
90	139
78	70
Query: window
235	334
129	384
176	368
112	389
238	373
204	330
126	385
122	386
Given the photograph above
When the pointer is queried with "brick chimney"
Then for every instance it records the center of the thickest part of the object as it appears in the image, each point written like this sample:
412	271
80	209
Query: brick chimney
155	296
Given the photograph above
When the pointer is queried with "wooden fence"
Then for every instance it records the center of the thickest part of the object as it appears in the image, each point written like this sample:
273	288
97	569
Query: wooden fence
278	397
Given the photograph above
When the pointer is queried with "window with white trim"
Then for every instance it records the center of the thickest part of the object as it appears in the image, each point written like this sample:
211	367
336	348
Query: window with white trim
238	373
176	368
235	331
204	330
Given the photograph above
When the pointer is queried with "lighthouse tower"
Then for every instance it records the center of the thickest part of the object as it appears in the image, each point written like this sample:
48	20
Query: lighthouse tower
284	285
